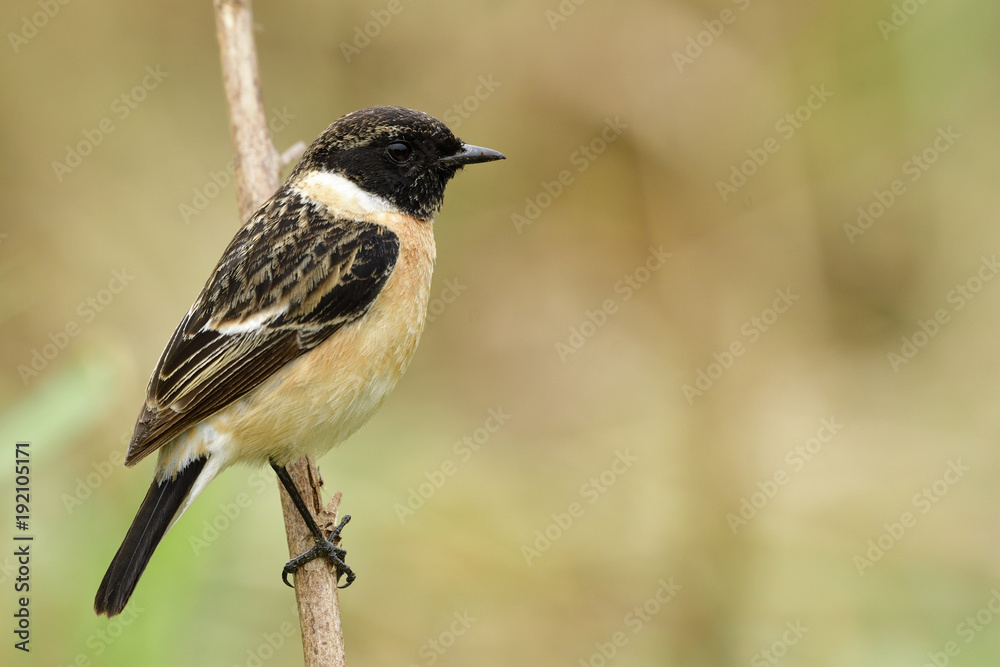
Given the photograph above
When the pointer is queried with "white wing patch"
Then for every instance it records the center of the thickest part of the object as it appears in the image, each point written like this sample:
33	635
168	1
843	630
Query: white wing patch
245	325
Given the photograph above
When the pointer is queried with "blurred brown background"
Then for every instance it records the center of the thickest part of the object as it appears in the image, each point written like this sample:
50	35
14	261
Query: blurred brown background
775	445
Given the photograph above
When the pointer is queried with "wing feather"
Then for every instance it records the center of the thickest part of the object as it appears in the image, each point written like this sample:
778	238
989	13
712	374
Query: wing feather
292	276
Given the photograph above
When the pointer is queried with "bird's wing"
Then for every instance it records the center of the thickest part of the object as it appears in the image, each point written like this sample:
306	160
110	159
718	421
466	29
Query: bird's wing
293	276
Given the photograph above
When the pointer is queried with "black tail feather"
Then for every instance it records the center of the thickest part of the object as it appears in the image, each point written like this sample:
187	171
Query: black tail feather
150	524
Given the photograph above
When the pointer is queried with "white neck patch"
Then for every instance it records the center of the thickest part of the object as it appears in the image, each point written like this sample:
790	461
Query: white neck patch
342	195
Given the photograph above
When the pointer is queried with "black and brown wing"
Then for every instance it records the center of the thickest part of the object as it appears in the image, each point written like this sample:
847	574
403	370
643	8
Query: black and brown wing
291	277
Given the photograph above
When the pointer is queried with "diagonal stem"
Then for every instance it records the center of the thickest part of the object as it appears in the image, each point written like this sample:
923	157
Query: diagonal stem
256	179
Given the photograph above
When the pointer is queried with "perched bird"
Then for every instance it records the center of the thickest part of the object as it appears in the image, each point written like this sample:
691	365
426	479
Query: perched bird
303	329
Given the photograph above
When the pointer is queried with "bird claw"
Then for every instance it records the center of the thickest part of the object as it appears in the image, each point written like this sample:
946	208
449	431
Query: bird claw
324	549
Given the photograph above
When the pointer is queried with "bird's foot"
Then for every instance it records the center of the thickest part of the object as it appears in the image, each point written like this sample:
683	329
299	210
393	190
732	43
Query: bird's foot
327	549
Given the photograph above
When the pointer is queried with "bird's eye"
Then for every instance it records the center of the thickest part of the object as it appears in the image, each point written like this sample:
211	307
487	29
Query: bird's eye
399	151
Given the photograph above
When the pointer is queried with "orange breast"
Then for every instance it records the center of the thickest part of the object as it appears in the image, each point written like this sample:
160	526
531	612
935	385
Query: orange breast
321	398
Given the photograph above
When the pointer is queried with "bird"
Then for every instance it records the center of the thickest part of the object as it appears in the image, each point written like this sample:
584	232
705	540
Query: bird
305	326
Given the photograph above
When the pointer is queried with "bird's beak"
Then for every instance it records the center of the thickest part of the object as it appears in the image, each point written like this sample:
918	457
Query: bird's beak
472	155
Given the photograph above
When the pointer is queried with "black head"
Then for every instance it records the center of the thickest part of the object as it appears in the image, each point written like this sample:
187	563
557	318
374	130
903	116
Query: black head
404	156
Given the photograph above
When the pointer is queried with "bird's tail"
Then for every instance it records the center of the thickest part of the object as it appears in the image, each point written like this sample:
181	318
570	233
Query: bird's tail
163	503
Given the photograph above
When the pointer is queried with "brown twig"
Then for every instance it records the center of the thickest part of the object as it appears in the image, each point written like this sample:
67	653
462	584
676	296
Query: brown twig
257	167
316	581
255	156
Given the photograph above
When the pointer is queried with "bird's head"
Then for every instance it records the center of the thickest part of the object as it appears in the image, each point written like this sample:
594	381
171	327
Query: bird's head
403	156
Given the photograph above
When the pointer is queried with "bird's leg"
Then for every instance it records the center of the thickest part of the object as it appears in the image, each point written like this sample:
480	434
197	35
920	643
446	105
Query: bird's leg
325	547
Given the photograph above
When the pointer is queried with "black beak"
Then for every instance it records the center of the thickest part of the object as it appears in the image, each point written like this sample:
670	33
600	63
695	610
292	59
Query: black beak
472	155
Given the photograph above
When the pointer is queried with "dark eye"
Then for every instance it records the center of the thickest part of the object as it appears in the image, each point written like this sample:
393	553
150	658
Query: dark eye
399	151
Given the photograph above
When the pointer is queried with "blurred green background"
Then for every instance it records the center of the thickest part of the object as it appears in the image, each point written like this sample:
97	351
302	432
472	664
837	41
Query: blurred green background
801	399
